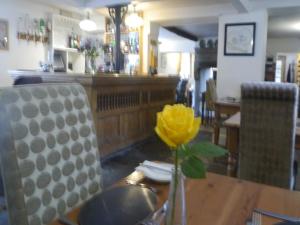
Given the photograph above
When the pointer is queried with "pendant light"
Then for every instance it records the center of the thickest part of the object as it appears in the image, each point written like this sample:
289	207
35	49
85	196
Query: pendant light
133	20
87	24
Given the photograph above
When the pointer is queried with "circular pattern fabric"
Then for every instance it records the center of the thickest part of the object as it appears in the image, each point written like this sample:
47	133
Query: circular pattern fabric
55	149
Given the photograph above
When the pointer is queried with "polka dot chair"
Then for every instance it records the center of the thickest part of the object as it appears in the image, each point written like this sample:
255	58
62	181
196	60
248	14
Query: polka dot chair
49	156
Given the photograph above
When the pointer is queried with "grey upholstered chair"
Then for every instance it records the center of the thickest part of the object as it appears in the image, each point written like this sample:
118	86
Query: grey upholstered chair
267	133
22	80
49	153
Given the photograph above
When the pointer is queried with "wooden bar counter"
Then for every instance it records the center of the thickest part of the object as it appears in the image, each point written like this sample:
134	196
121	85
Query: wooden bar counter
124	107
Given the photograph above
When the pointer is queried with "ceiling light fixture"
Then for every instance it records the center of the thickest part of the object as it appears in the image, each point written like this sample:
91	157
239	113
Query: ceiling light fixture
296	26
87	24
133	20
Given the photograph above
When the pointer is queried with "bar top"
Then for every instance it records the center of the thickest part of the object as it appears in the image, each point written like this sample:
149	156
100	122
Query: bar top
98	79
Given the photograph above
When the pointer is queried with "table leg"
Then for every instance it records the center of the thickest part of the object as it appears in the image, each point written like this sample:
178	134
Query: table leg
216	125
297	143
202	107
232	140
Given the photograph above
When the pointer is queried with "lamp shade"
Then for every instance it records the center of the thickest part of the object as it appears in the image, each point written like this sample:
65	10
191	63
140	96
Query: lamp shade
133	20
87	24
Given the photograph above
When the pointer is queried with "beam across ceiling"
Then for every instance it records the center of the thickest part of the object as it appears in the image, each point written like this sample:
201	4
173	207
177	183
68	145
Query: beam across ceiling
182	33
242	6
187	15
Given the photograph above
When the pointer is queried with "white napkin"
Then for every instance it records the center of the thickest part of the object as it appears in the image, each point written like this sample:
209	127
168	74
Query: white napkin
156	171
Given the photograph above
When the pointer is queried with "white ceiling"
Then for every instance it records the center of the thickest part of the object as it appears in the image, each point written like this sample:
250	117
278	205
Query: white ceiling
200	17
284	22
283	14
167	4
201	30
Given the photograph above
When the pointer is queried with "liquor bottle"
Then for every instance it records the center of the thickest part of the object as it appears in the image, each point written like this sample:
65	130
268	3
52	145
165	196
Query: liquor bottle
132	46
70	40
137	48
75	43
78	41
137	43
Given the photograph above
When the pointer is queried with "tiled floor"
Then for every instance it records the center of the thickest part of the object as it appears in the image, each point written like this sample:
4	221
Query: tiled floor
153	149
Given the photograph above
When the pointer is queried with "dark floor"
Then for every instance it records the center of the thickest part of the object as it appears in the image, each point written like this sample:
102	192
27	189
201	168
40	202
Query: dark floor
123	164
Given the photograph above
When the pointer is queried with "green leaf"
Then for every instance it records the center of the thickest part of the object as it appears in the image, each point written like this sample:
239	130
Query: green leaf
207	150
193	167
183	152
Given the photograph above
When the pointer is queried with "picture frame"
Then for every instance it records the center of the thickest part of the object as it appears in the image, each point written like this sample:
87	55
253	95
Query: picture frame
4	35
239	39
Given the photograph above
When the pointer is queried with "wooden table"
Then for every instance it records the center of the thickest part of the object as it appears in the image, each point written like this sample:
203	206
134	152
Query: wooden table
223	107
221	200
232	126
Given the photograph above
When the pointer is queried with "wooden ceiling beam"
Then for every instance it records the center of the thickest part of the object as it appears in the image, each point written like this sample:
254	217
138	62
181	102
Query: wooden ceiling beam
182	33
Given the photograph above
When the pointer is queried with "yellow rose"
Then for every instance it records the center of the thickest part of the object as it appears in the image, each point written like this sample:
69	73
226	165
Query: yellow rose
176	125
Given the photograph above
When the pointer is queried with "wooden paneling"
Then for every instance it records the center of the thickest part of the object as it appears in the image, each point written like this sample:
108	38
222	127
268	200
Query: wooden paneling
124	108
109	134
135	104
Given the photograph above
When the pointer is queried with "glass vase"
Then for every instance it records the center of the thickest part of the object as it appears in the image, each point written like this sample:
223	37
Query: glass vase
88	65
93	65
176	211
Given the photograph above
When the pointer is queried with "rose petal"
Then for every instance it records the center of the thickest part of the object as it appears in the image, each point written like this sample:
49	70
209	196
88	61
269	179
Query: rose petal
194	131
165	138
176	125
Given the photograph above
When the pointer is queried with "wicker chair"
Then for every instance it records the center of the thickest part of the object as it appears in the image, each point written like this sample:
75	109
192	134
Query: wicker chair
210	98
181	91
49	152
267	133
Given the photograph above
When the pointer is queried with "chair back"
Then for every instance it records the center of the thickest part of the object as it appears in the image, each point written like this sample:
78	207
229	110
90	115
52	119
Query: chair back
211	94
267	132
181	91
28	80
49	152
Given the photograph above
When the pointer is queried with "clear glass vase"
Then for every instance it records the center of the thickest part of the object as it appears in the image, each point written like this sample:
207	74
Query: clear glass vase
88	65
176	211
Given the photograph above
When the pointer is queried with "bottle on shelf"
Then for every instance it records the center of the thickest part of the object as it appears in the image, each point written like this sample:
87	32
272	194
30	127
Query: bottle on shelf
71	39
75	41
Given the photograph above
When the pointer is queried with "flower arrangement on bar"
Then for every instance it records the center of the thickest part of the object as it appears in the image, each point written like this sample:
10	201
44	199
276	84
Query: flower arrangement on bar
91	49
177	126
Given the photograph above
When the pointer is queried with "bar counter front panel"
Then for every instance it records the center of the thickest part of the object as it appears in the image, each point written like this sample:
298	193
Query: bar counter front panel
124	108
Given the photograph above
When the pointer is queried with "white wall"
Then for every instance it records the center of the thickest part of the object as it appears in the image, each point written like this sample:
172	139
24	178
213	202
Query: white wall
168	45
170	42
286	45
234	70
174	49
150	32
21	54
171	63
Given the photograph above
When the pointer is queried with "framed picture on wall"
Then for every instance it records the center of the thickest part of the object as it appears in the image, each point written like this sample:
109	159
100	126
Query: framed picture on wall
4	35
239	39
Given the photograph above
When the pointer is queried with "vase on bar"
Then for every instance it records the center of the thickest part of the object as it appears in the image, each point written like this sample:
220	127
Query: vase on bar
176	211
90	65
